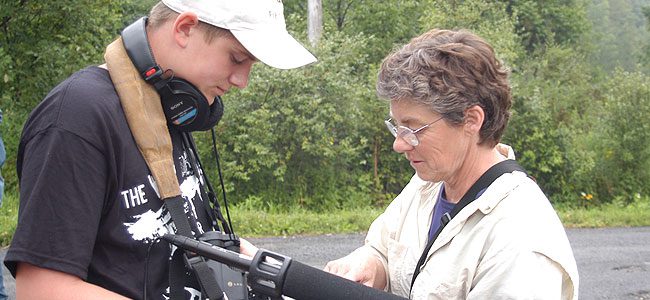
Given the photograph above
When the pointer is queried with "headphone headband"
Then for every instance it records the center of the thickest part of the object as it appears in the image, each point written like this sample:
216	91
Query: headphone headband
137	47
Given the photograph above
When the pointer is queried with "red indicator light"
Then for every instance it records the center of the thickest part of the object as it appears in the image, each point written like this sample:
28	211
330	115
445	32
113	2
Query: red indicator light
150	72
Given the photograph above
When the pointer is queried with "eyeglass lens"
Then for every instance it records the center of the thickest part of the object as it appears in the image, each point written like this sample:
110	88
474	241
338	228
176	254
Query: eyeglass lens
403	132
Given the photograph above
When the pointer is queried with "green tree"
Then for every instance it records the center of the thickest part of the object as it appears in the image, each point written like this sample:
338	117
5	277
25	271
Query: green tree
541	23
387	22
314	137
645	57
555	100
382	26
41	43
292	137
489	20
618	34
623	138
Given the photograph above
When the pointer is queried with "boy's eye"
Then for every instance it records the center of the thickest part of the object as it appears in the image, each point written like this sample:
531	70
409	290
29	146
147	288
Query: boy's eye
236	59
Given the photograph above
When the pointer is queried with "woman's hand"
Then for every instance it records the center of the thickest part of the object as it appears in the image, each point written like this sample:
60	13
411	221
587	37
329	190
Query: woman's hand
246	248
360	266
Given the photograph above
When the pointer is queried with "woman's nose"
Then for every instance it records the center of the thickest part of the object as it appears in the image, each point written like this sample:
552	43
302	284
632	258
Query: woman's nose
400	145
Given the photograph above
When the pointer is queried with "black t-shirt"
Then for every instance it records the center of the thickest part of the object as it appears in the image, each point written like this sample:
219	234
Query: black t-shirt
88	203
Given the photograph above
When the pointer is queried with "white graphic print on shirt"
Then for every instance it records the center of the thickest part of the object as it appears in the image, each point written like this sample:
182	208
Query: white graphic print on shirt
151	225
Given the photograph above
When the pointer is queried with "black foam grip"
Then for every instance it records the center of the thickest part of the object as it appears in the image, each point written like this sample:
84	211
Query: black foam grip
305	282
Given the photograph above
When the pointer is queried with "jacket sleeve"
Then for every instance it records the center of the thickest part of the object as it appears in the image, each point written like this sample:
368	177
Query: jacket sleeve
395	236
515	266
519	275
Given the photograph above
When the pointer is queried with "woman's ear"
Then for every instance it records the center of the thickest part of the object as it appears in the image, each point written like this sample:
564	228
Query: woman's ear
474	117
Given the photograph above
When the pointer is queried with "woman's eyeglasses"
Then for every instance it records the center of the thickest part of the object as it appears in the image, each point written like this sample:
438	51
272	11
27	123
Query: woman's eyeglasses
407	134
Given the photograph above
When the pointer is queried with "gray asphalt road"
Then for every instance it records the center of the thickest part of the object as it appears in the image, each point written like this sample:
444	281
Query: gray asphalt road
614	263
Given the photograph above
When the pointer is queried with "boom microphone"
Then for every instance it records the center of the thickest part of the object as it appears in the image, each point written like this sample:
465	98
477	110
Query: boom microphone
273	274
305	282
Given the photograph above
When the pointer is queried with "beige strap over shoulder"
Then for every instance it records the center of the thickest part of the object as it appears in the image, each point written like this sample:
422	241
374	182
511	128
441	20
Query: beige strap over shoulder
144	114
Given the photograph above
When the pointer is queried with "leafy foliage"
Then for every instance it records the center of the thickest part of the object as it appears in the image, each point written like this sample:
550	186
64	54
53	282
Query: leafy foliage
294	135
313	138
620	35
623	133
389	23
540	23
44	42
645	56
549	118
489	20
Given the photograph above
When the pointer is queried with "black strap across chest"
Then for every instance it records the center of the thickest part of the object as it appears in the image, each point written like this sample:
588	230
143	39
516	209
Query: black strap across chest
482	183
177	265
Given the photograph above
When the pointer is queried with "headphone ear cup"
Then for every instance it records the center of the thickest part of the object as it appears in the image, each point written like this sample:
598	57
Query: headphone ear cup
216	112
185	107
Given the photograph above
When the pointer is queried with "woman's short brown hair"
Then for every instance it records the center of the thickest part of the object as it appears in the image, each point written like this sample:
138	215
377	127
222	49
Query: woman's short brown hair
450	71
160	14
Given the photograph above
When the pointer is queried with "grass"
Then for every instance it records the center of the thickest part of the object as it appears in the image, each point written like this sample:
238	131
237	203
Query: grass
253	223
8	218
249	223
614	214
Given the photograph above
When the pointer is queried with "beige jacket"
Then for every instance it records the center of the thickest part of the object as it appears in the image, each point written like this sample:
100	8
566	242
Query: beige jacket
507	244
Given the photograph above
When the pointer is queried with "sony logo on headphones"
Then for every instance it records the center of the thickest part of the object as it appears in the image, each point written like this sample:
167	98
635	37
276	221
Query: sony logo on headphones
175	106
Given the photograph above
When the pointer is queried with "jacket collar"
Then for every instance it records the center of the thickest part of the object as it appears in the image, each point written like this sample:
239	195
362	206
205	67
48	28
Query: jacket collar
484	204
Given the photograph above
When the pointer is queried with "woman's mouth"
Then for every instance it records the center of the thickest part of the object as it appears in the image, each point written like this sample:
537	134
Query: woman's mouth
414	163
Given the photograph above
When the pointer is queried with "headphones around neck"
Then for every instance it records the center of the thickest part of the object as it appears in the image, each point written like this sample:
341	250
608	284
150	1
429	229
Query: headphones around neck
185	107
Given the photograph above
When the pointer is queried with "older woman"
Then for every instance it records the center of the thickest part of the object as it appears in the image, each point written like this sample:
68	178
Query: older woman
470	224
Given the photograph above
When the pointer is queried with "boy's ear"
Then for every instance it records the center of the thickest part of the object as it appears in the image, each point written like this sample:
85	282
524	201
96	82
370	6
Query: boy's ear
184	25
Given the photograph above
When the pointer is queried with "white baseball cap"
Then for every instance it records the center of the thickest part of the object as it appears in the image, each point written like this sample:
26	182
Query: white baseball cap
257	24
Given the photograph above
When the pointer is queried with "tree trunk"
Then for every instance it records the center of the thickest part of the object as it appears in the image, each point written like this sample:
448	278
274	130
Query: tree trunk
315	22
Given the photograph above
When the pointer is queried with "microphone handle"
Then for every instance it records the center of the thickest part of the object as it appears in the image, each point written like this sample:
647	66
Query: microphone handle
216	253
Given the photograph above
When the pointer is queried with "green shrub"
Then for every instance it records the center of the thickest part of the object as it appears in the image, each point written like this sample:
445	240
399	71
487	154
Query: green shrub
622	138
551	106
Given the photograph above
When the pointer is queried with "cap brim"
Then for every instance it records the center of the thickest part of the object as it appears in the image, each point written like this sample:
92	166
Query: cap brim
278	50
